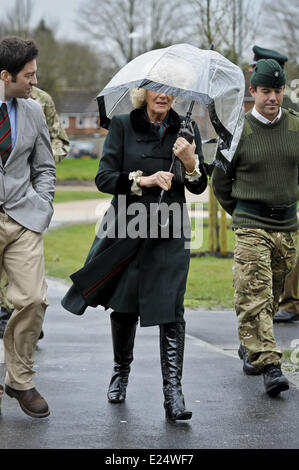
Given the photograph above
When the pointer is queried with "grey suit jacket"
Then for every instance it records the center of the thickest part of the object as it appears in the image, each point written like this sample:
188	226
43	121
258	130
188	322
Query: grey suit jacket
27	182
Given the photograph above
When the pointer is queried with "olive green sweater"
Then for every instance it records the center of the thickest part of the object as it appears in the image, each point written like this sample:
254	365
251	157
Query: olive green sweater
264	170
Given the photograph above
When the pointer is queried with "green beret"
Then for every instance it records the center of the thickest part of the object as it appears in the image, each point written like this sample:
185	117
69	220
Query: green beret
262	53
268	73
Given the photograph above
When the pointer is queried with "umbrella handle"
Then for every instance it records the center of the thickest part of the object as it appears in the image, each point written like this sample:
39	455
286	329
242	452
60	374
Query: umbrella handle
187	122
163	190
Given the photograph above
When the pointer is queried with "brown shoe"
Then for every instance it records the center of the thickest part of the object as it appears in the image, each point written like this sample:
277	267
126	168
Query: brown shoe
31	402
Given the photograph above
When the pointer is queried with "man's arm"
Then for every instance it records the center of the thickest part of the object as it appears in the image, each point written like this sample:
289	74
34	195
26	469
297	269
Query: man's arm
222	186
43	169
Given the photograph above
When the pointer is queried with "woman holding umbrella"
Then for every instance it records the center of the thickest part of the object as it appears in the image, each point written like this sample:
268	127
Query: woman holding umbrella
135	163
136	159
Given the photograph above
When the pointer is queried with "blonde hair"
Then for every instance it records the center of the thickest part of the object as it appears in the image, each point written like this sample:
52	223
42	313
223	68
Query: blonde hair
137	96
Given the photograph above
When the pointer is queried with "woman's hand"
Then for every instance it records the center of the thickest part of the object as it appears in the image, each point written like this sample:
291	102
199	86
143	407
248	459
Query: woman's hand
186	153
161	178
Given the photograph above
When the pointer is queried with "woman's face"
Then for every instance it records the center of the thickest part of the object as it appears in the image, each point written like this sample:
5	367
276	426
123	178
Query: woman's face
158	104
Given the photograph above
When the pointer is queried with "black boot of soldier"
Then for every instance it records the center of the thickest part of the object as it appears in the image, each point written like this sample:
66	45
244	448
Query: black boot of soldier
248	368
274	380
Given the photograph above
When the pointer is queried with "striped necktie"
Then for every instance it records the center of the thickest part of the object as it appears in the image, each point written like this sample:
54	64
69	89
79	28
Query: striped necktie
5	134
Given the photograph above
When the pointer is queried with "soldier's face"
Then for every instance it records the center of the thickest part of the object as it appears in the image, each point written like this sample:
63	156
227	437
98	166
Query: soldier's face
267	100
21	85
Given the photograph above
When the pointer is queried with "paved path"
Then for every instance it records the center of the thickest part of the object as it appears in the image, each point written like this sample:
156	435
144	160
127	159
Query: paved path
73	364
90	211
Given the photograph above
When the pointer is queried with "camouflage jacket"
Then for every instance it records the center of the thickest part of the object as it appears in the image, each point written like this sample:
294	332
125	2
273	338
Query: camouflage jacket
59	139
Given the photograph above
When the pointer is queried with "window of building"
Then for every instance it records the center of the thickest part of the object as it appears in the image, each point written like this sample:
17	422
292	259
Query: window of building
64	120
80	122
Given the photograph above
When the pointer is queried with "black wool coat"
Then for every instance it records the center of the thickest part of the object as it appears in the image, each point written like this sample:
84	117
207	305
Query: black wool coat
145	275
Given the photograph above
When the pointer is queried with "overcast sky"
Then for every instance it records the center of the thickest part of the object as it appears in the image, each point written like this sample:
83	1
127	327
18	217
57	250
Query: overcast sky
60	12
63	14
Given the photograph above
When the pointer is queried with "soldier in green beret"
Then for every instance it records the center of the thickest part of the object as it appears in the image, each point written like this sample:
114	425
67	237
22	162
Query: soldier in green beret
260	192
60	147
289	302
262	53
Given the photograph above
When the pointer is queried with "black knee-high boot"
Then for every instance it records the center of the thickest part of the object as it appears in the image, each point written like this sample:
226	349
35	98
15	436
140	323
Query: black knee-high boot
172	342
123	328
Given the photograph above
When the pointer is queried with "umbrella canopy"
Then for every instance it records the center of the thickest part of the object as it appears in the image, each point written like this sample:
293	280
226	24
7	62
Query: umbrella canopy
188	72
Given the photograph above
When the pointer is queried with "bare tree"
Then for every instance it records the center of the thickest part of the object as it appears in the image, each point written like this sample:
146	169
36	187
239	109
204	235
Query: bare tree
83	69
125	28
18	17
230	25
282	28
227	24
208	22
3	29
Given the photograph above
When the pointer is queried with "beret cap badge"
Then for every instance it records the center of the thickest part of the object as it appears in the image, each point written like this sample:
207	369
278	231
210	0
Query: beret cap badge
268	73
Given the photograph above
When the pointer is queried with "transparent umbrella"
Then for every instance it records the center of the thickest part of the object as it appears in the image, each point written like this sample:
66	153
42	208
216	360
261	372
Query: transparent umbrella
185	71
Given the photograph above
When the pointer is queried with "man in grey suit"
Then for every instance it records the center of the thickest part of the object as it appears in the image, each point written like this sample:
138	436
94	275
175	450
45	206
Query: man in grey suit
27	185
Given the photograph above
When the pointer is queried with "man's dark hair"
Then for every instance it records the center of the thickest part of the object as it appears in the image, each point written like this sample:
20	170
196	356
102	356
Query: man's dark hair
15	53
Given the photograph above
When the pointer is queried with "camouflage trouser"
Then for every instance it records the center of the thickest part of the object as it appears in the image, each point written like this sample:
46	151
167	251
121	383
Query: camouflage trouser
4	302
262	259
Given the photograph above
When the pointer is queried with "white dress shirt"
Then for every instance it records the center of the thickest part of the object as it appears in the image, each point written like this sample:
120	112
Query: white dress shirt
264	120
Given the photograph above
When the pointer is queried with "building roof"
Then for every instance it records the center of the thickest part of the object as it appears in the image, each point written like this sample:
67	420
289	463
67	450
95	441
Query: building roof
77	102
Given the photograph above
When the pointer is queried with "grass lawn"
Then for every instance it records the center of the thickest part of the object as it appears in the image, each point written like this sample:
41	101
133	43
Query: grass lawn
77	169
66	249
209	281
69	195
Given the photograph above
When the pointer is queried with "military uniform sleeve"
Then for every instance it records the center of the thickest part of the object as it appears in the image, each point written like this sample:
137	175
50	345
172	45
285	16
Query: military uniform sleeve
58	136
222	186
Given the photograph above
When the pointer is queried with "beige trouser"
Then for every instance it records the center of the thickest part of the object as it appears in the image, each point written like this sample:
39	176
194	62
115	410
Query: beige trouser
3	292
21	255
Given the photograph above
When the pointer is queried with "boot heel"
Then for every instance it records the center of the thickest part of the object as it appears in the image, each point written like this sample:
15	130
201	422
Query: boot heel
118	385
182	416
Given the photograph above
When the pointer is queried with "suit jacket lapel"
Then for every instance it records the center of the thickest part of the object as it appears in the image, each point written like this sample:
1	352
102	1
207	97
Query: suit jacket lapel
21	111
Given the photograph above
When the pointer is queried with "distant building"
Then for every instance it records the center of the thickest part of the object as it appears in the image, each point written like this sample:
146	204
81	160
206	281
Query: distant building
79	115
